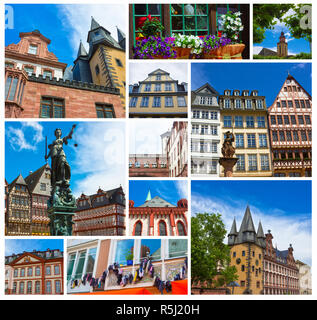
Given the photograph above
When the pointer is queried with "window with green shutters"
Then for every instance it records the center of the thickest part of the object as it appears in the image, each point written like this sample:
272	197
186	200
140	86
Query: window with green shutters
140	13
189	19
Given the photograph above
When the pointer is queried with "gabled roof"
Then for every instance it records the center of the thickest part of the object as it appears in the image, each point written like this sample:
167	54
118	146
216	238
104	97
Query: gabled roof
33	178
206	87
158	71
157	202
94	24
18	180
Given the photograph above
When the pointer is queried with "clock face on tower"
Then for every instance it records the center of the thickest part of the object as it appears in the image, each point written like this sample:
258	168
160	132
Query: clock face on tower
238	261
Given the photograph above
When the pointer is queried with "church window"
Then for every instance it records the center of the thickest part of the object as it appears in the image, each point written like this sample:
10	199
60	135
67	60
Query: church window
52	108
162	228
138	229
181	229
105	110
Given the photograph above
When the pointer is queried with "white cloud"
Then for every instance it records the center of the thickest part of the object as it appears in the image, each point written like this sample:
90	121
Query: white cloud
78	19
145	135
100	156
27	137
177	71
182	189
295	230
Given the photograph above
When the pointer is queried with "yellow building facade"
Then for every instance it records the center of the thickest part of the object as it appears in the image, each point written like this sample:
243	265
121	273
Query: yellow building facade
104	64
247	255
246	116
158	96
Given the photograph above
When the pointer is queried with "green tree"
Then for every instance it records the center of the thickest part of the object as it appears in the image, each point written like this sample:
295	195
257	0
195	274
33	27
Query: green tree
210	257
299	23
265	17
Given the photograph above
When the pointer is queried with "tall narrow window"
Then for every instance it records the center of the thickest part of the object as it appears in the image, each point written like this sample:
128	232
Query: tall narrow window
162	228
180	229
138	229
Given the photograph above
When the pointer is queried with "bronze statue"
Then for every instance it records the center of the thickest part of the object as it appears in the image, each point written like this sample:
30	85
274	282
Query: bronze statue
62	203
228	149
59	166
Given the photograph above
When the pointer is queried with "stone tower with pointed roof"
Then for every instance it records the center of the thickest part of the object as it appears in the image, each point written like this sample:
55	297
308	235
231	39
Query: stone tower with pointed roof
282	46
104	64
158	217
247	254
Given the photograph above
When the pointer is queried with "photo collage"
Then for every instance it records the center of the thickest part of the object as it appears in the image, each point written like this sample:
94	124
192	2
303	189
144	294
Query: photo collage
157	149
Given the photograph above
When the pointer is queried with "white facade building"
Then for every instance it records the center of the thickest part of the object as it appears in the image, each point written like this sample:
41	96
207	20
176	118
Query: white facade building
205	132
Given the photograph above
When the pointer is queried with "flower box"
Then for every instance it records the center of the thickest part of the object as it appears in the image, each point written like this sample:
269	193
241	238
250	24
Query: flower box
182	53
230	51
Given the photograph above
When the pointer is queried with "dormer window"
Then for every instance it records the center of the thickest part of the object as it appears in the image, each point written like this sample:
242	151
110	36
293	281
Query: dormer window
32	49
254	93
236	93
47	74
227	93
158	77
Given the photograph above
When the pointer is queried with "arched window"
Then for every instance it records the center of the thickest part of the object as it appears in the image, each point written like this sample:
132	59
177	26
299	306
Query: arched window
29	287
162	228
48	288
37	287
138	229
181	229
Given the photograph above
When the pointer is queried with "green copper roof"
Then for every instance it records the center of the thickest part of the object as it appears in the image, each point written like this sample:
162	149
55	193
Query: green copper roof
148	198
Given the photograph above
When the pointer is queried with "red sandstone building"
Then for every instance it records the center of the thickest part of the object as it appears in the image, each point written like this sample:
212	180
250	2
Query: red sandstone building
35	88
101	214
157	217
290	123
36	272
281	275
148	165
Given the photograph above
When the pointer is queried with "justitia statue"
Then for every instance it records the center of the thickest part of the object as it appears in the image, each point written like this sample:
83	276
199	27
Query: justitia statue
62	202
228	149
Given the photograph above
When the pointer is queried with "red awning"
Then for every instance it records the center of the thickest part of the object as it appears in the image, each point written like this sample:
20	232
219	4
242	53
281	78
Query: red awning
180	287
120	291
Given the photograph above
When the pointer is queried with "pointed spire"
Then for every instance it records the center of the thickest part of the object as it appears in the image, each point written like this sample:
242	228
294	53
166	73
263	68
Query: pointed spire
260	233
148	198
233	230
94	24
81	50
121	34
247	222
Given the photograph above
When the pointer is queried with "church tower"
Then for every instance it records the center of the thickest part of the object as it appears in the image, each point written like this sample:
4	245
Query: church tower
282	50
247	254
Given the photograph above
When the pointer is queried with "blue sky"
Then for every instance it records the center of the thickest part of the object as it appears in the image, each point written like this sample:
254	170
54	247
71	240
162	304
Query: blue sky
284	207
20	245
68	24
295	46
96	162
267	78
171	191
